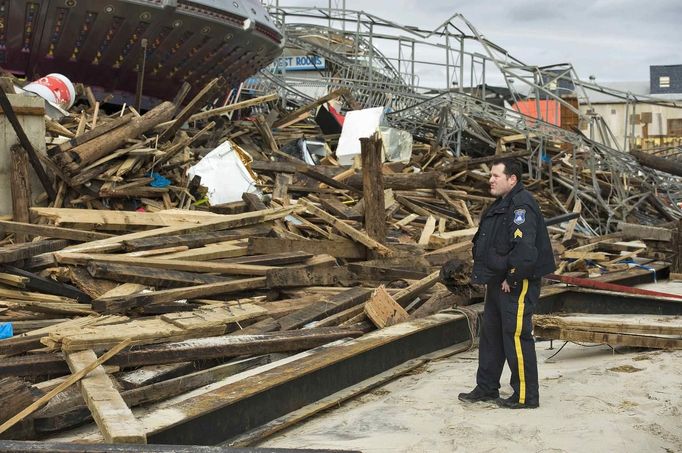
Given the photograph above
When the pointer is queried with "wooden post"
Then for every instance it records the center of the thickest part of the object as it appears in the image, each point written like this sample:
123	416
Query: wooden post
21	189
676	266
373	188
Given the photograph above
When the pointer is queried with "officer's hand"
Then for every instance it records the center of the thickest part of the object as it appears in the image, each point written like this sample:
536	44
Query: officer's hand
505	287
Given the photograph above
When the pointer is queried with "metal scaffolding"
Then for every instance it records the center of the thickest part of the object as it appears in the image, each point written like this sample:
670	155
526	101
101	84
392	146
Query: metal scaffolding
435	84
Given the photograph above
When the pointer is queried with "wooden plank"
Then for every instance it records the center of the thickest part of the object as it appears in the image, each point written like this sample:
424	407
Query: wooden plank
123	303
332	204
348	230
114	418
313	105
326	307
341	248
12	253
318	270
161	263
199	100
222	223
218	250
20	188
72	412
439	240
37	283
48	231
570	228
613	339
428	230
406	295
383	311
160	278
207	321
194	240
626	324
228	108
645	232
373	187
75	377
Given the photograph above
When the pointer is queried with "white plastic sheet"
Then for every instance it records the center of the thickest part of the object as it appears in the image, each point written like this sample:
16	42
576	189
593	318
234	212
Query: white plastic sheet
397	144
358	124
224	175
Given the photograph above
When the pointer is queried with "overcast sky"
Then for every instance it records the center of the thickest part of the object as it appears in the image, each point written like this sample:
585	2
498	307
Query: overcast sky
614	40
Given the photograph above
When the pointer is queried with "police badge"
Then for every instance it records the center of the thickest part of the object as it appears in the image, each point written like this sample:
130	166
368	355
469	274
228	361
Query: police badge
519	216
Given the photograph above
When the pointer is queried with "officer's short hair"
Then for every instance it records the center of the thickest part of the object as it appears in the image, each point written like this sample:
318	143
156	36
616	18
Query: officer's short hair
511	167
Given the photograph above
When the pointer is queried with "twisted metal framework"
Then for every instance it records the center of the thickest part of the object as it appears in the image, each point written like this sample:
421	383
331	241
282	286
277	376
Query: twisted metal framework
433	83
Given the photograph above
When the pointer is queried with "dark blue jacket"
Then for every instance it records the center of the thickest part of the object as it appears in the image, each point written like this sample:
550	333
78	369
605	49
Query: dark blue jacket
512	241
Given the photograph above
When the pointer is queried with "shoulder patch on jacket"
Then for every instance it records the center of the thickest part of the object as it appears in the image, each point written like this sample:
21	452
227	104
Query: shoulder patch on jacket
519	216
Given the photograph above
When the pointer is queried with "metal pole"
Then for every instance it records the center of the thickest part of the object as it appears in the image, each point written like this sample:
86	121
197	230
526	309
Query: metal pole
461	65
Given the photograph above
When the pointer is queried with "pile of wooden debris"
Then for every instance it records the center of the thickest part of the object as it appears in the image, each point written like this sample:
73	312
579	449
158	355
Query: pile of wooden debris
128	257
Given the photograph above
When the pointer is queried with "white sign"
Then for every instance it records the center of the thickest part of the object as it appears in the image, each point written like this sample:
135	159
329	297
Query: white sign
300	63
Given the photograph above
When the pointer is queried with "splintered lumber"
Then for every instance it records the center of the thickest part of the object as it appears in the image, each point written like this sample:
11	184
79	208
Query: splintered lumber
123	218
331	367
193	240
570	229
229	108
123	303
163	263
313	105
626	324
218	347
404	181
383	311
15	394
75	377
333	205
373	187
326	307
223	222
33	156
439	240
114	418
72	412
79	156
318	270
16	252
48	231
199	100
31	339
339	248
162	278
20	188
37	283
613	339
645	232
348	230
407	295
210	321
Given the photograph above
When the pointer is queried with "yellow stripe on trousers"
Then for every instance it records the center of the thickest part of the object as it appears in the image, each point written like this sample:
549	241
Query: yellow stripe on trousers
517	342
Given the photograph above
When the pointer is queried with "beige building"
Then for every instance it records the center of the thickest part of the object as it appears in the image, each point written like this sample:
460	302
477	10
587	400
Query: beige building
641	123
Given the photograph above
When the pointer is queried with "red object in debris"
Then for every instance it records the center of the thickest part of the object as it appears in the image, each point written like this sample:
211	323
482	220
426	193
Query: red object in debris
549	110
340	118
595	284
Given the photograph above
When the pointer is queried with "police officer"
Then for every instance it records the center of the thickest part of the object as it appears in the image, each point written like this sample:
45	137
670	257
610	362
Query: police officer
512	251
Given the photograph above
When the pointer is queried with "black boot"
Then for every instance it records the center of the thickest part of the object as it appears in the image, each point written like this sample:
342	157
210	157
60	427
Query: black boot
513	403
477	395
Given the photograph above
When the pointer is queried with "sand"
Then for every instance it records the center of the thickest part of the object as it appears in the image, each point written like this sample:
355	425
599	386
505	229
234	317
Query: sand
592	398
